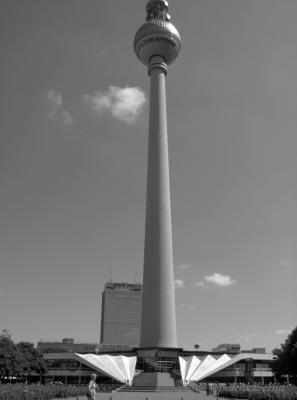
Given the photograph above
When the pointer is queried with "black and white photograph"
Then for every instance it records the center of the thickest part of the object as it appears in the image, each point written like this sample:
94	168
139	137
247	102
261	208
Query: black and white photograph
148	199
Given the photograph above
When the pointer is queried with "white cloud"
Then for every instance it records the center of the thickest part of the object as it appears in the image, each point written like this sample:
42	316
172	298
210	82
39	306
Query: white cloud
219	279
184	266
283	332
125	103
216	279
55	102
98	102
179	284
285	263
66	117
56	110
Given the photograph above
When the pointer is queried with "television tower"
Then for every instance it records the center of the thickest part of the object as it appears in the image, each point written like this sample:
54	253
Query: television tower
157	44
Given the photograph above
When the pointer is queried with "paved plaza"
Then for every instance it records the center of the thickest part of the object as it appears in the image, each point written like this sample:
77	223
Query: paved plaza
149	396
154	396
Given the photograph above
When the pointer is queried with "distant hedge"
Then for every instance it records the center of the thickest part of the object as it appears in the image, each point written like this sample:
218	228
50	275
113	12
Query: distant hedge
39	392
254	392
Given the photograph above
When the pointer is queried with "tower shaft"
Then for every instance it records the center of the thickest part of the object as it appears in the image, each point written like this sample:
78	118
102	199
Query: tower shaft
158	328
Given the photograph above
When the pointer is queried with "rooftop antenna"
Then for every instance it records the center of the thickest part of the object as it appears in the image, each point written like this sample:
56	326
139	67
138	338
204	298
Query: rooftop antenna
136	276
110	279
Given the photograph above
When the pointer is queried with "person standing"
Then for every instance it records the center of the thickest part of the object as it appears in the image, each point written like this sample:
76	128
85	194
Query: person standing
92	387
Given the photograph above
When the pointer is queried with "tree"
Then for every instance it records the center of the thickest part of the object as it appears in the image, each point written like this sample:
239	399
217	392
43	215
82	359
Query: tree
286	362
11	361
20	360
33	359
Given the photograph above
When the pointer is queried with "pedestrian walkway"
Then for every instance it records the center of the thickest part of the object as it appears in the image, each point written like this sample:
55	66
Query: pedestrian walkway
148	396
155	396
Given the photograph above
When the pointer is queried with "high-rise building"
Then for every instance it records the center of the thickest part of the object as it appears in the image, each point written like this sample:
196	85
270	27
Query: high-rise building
120	315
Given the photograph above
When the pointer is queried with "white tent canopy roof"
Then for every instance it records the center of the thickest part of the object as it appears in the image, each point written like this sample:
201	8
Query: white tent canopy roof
121	368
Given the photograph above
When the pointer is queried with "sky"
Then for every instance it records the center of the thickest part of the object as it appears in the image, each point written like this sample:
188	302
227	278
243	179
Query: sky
73	153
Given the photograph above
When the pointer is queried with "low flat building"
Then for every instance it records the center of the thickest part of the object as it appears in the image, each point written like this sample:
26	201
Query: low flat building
227	348
66	345
68	368
256	350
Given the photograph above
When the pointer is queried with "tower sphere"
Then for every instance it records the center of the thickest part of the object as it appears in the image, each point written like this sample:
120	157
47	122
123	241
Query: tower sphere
157	36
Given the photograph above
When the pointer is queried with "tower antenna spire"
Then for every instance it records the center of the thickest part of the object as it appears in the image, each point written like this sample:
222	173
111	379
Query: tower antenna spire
157	9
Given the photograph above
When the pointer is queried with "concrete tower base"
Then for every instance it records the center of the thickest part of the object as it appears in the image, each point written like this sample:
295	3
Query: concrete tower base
159	378
159	369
